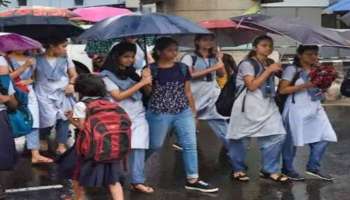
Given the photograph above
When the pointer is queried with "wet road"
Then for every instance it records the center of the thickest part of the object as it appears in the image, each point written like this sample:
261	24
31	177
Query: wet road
165	173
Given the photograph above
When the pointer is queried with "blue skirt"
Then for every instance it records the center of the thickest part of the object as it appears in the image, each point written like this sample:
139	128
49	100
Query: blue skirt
88	172
8	154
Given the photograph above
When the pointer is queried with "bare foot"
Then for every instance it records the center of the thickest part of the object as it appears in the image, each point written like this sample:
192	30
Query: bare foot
61	149
142	188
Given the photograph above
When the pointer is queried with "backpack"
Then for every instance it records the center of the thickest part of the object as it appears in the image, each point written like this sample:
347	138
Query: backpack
281	99
20	119
229	92
107	132
345	85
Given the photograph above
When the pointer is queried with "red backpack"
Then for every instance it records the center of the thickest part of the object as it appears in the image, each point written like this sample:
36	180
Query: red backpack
107	132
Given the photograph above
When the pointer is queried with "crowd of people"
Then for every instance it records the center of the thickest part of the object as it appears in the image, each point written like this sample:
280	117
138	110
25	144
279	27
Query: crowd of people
169	95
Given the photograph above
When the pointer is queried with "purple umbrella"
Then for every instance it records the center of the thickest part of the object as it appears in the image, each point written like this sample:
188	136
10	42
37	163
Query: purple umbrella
294	28
16	42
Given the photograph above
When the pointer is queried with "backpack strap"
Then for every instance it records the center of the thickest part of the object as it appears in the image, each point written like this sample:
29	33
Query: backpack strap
256	66
154	70
9	62
294	80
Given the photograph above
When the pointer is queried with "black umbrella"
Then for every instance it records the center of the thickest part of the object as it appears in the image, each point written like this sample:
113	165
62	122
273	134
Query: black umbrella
294	28
40	27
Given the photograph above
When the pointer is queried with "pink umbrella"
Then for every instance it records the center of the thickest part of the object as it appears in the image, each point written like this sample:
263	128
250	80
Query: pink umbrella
95	14
16	42
229	33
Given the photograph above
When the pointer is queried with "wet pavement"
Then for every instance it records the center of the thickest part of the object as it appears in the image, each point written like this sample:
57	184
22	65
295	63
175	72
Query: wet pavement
165	173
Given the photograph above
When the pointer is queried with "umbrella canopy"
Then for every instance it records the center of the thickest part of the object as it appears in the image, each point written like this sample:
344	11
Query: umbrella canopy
339	6
141	26
16	42
40	27
294	28
95	14
346	19
228	33
38	11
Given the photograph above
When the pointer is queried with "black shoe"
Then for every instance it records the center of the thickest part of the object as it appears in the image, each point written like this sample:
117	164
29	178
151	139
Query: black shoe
2	193
294	176
177	146
320	175
201	186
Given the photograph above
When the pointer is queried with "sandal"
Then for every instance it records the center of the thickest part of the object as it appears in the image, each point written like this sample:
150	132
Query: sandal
142	188
42	160
280	178
242	177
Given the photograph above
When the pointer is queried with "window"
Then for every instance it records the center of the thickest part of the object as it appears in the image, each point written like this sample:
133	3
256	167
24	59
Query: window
79	2
22	2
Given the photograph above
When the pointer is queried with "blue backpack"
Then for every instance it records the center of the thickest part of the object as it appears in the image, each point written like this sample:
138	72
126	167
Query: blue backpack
20	119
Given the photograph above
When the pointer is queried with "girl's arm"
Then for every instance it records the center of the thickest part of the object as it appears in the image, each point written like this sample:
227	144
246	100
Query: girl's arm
188	93
145	81
17	72
253	83
9	100
285	87
72	73
218	67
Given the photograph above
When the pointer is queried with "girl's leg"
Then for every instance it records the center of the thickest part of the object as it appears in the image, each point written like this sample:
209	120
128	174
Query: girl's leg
219	127
116	191
137	166
79	191
271	149
237	152
33	144
159	125
62	130
317	151
186	135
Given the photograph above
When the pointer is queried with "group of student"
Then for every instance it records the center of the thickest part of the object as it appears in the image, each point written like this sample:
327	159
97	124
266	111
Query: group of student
179	95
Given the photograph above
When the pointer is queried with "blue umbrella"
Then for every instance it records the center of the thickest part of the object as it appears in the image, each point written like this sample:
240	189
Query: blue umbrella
339	6
142	26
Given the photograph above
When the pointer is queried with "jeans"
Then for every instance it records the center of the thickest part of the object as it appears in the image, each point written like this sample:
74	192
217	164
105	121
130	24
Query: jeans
62	130
32	140
185	127
137	166
270	147
317	151
219	127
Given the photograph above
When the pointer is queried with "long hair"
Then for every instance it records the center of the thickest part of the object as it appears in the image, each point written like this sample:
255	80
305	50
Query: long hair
256	42
300	50
211	50
112	64
230	63
161	44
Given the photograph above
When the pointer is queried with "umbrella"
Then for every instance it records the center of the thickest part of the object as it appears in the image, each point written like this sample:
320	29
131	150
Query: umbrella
228	33
339	6
95	14
16	42
38	11
141	26
346	19
40	27
294	28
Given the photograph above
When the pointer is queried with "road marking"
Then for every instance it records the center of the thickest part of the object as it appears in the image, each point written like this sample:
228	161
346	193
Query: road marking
29	189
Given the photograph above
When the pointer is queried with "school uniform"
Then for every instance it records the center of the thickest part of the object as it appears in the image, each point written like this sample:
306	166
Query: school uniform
88	172
306	122
255	114
205	92
51	80
140	129
32	139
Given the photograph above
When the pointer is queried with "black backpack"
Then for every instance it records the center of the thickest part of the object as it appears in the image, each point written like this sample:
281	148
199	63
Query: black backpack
345	86
281	99
229	92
